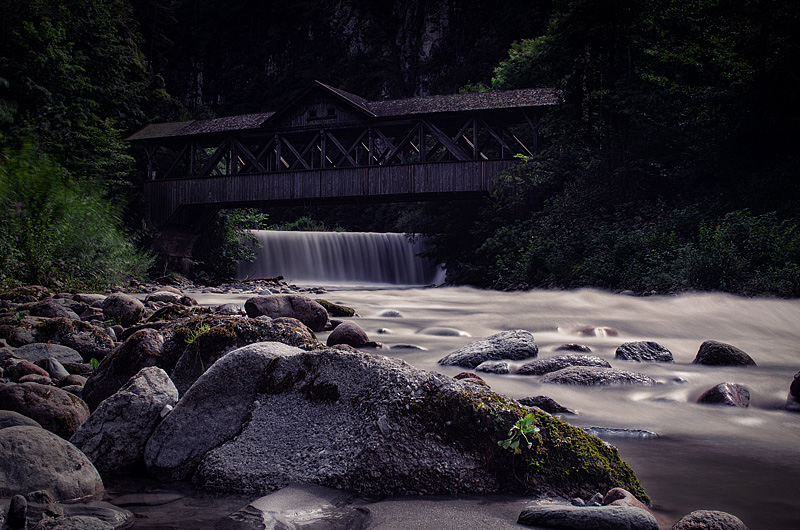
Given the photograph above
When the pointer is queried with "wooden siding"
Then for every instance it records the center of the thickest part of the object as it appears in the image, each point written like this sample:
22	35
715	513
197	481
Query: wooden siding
402	181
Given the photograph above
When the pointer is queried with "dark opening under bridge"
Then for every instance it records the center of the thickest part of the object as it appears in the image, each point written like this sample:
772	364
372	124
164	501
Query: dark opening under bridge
330	145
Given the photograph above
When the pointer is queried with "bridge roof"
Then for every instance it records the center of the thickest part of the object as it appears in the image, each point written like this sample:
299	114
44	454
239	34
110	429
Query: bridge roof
450	103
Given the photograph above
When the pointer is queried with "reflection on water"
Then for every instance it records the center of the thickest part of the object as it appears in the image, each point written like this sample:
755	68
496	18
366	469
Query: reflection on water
744	461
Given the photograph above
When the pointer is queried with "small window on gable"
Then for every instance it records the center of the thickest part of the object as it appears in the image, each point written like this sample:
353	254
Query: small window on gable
331	112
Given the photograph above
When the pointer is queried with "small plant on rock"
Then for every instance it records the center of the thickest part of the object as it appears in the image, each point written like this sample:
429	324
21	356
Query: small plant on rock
520	431
199	330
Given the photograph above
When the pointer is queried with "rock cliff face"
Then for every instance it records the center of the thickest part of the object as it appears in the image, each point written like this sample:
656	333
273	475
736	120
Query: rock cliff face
251	56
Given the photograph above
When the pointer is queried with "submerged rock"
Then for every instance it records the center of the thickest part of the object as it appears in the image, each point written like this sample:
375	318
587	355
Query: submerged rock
269	414
730	394
709	520
494	367
715	353
349	333
35	459
644	350
567	517
336	310
514	345
559	362
588	376
545	403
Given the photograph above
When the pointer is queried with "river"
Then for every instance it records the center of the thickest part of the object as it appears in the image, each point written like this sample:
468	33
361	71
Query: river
741	460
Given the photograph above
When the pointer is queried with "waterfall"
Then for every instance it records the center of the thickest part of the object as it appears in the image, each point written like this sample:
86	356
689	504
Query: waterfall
348	257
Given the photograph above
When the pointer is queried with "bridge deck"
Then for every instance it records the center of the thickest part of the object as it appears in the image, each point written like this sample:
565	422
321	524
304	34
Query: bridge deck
399	181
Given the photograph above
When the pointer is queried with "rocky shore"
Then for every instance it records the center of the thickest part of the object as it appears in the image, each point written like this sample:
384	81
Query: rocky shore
246	399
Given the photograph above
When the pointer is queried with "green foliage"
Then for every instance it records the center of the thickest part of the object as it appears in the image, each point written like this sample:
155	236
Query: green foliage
226	240
54	230
304	224
192	334
521	430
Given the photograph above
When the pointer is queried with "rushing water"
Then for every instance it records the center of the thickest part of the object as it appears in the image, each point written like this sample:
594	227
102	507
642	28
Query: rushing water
341	257
742	460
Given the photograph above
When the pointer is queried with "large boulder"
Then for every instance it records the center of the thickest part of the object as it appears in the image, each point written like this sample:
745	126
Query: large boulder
123	308
591	376
167	297
142	349
565	517
644	350
34	459
715	353
730	394
304	309
553	364
269	414
87	339
53	408
709	520
115	434
515	344
222	334
20	331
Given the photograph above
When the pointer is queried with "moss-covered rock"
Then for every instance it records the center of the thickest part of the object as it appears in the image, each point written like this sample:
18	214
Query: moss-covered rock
87	339
28	293
336	310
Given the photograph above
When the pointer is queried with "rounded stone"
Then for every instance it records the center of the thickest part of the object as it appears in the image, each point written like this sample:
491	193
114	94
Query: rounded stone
709	520
123	308
591	376
559	362
35	459
515	344
714	353
730	394
304	309
53	408
644	350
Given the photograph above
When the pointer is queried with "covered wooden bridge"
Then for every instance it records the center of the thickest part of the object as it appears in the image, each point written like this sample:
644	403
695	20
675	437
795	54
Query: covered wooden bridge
330	145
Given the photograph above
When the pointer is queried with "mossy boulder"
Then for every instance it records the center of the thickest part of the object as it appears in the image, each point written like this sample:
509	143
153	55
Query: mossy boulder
336	310
267	414
21	329
296	306
123	308
216	335
87	339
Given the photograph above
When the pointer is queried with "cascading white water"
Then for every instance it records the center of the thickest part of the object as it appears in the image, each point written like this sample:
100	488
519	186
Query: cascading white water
350	257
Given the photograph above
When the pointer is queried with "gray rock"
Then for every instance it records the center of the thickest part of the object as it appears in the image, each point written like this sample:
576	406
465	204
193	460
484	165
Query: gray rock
142	349
88	340
559	362
349	333
574	347
494	367
9	418
50	308
709	520
565	517
730	394
122	308
35	459
115	434
644	350
590	376
304	309
228	309
267	415
390	313
715	353
17	513
74	522
305	506
164	296
18	332
55	369
514	344
89	298
211	412
53	408
545	403
621	497
438	331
